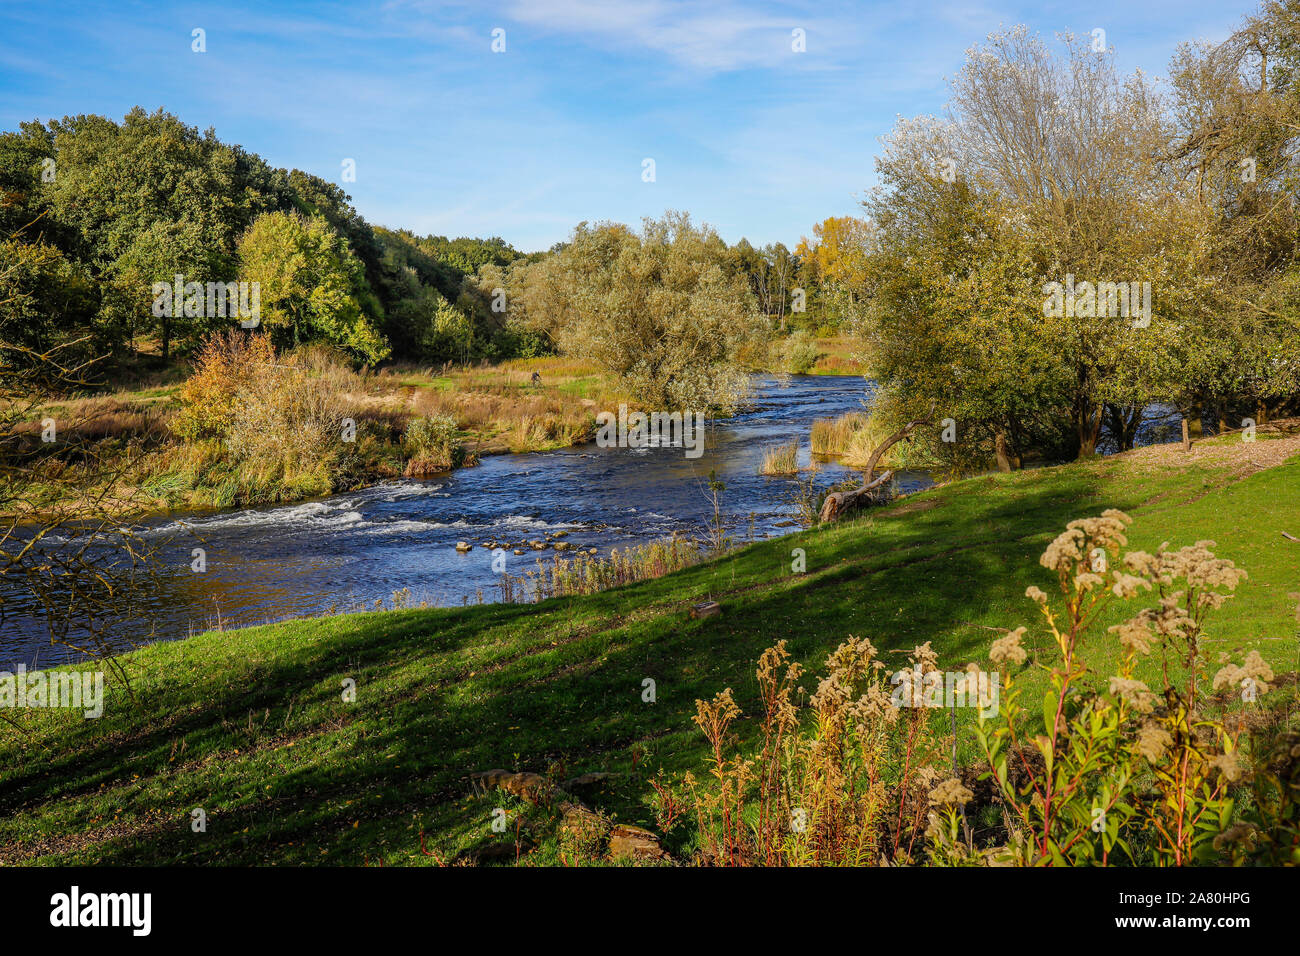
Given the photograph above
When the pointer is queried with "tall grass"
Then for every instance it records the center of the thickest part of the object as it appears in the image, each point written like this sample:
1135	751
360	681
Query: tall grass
855	435
781	459
834	436
588	574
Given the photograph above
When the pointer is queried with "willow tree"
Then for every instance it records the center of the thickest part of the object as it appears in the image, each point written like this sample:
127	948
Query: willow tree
664	310
1237	117
1045	169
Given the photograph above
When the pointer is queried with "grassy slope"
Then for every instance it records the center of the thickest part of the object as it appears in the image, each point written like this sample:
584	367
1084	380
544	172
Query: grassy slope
250	725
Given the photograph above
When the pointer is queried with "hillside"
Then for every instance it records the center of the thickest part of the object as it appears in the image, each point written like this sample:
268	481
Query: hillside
250	725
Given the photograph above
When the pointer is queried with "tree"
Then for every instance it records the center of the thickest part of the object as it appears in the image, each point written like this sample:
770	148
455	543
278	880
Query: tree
666	310
308	282
1047	171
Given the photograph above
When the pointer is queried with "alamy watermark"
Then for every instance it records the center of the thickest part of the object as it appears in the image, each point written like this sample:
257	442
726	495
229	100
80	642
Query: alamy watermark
1129	300
212	300
75	690
946	689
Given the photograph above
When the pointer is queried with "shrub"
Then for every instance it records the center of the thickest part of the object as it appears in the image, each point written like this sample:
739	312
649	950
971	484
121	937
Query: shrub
801	353
432	444
287	414
225	364
281	423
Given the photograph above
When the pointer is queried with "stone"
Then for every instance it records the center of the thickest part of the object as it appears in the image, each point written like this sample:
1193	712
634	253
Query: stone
463	546
706	609
633	843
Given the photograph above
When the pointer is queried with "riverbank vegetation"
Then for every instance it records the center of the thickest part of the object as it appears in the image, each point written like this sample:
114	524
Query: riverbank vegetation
252	725
253	425
129	284
1140	258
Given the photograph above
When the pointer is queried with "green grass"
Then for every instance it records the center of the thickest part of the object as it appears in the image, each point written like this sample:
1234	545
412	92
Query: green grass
250	725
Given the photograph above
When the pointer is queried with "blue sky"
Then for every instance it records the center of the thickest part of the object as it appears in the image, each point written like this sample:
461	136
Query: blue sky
452	138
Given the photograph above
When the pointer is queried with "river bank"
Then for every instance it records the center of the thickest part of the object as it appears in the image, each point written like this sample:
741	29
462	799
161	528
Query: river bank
124	456
250	725
335	553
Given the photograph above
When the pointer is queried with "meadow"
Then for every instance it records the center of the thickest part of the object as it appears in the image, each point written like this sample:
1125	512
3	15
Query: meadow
252	726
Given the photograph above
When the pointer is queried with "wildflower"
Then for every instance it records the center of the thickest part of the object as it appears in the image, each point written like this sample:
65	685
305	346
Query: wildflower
1064	552
1153	740
1142	563
1007	649
1087	581
924	656
875	703
1229	766
1134	636
1036	594
951	792
1254	669
1126	585
1134	692
926	775
1237	833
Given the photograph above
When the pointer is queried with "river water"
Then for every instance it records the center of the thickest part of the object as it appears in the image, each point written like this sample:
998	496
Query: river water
346	551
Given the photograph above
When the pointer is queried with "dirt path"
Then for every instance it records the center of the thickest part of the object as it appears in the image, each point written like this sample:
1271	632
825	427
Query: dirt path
1267	451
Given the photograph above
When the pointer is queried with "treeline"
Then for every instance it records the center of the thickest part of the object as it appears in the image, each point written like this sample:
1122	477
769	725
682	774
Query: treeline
1069	249
94	212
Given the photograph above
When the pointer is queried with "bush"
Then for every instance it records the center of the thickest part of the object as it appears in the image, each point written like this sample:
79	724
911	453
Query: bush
224	366
801	353
431	442
286	425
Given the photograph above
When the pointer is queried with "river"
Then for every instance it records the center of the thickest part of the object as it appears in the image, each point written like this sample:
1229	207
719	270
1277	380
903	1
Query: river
346	551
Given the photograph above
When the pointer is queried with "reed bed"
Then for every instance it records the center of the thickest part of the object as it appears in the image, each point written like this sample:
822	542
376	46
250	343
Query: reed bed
781	459
853	437
587	574
835	436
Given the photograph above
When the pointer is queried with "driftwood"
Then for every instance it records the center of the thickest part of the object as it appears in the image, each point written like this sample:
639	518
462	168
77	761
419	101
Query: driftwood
839	502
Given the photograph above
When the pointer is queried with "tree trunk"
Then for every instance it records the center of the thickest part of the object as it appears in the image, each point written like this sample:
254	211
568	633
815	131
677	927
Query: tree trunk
1000	449
1088	425
840	501
1187	435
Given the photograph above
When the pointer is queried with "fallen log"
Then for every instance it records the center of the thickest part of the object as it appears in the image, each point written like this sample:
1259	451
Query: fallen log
838	502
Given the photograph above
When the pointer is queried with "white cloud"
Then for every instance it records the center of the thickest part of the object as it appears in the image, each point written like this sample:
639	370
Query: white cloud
712	37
